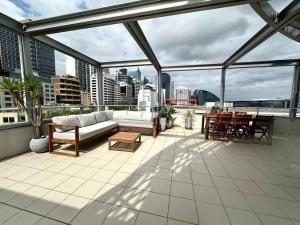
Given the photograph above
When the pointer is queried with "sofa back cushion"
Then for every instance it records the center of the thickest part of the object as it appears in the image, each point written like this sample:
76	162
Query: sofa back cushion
87	119
120	115
100	116
109	114
134	115
66	120
147	116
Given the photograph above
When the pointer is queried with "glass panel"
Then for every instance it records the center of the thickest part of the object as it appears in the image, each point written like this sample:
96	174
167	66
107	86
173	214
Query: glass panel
258	83
279	5
201	37
35	9
109	43
276	47
198	80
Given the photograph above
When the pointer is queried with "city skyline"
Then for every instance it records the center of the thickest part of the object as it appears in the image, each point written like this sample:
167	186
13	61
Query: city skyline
189	46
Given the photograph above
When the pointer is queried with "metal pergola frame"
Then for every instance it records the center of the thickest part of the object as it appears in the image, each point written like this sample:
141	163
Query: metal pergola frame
286	22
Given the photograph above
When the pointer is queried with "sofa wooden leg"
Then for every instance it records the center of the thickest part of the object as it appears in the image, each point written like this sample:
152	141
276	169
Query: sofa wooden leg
77	149
50	145
154	132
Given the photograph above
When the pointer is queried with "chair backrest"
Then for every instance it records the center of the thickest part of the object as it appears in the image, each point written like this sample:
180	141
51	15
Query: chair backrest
240	113
241	119
263	120
223	118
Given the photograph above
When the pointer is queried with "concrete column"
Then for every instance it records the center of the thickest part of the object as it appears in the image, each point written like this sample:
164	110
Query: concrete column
100	88
222	87
25	55
295	92
159	90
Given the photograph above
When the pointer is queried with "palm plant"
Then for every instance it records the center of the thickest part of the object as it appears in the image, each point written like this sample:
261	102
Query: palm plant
27	96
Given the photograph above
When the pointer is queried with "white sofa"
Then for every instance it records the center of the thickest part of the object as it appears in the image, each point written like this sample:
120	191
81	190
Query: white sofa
75	129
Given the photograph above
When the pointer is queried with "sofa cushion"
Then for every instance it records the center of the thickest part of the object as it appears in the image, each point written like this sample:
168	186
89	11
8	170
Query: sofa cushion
87	119
109	114
71	120
147	116
100	116
120	115
134	115
87	132
135	123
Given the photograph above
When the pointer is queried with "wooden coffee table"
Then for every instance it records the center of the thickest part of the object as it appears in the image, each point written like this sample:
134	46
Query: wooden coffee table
125	141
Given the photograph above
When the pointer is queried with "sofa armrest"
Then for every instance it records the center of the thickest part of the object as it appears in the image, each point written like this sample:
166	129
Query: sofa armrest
51	126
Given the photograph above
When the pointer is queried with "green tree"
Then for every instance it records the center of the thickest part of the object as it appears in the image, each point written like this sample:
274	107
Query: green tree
27	96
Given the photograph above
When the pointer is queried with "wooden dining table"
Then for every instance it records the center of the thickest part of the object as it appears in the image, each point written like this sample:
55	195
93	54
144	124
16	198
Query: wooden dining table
206	117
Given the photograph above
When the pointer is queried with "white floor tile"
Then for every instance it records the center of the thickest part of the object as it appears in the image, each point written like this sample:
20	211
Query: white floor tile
149	219
238	217
121	216
157	204
209	214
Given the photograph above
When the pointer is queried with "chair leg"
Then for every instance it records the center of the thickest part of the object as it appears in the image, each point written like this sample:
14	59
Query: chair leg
50	145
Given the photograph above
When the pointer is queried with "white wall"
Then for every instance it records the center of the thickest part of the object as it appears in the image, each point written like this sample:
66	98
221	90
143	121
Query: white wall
14	141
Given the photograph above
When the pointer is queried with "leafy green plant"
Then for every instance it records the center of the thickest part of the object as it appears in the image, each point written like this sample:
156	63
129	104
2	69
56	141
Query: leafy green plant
216	108
189	113
166	111
27	96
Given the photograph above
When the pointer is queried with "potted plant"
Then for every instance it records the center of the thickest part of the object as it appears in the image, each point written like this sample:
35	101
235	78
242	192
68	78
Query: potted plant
27	96
215	109
163	114
170	120
189	114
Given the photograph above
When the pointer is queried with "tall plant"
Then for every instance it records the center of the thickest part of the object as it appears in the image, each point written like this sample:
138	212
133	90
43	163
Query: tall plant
27	96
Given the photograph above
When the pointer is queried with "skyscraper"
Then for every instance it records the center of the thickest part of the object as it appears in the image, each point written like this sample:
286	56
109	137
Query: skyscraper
165	84
80	69
135	74
183	95
42	56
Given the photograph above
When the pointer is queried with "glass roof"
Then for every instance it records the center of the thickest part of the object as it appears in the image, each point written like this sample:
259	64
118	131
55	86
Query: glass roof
279	5
276	47
35	9
108	43
258	83
201	37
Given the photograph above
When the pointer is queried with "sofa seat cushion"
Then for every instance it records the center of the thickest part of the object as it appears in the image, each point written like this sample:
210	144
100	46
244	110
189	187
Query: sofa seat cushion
71	120
135	123
87	132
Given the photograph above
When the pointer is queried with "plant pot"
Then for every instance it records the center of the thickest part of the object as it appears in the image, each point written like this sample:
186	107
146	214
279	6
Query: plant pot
189	123
39	145
163	123
170	123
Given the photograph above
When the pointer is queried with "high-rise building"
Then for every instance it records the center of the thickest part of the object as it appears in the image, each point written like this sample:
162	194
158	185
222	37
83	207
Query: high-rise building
166	84
43	59
135	74
172	89
125	93
67	89
49	97
123	71
147	98
9	51
82	70
42	56
183	95
111	90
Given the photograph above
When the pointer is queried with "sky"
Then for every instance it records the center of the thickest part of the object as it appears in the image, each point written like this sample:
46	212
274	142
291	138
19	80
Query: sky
194	38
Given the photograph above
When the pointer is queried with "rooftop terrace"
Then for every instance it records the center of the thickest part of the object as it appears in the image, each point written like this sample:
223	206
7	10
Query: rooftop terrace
178	178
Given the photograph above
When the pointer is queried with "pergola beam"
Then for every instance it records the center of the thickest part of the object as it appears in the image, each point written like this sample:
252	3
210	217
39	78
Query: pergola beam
286	16
128	12
238	65
11	24
142	62
65	49
136	32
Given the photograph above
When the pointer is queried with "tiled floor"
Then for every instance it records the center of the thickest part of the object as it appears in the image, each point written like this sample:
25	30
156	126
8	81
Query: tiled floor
176	179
